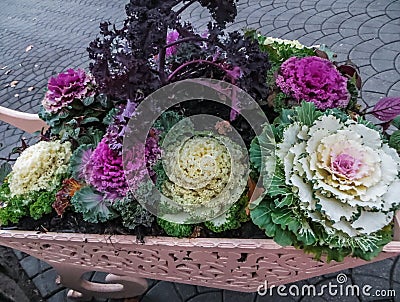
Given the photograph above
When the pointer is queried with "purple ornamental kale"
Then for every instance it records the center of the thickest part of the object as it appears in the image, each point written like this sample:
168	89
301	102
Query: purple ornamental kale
313	79
105	171
152	151
116	130
65	87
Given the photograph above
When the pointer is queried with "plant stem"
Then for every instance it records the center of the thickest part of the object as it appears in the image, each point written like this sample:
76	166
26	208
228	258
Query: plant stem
8	159
176	71
161	60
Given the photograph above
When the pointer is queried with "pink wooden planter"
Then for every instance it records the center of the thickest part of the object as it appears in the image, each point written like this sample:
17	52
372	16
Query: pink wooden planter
235	264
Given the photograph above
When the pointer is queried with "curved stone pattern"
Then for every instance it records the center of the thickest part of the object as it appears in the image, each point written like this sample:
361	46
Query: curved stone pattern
233	264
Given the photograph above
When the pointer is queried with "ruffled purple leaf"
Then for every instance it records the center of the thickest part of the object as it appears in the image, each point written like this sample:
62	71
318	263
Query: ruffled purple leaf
65	87
387	109
116	131
315	80
106	171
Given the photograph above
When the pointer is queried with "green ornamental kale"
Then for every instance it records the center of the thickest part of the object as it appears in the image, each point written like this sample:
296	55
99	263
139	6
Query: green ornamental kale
132	213
232	219
176	229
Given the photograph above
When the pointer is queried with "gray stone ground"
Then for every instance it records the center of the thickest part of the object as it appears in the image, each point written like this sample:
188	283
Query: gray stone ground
57	33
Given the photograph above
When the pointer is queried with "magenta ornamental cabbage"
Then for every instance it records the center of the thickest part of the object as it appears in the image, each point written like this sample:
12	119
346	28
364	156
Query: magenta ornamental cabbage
313	79
105	172
64	88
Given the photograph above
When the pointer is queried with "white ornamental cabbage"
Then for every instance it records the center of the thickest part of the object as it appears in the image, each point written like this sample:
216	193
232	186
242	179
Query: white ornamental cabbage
346	177
40	167
204	172
292	43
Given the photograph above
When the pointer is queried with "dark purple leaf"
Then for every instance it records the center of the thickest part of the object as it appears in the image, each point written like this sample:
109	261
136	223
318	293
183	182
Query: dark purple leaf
350	70
387	108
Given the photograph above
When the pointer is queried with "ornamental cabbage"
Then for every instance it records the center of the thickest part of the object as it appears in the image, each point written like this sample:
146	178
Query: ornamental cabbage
315	80
346	177
335	188
40	167
64	88
104	171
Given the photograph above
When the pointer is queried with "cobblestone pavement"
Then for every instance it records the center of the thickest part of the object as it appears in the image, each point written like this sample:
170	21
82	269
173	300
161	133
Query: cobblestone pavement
39	38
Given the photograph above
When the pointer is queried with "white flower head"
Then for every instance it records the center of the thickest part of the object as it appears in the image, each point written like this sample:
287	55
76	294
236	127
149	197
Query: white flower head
40	167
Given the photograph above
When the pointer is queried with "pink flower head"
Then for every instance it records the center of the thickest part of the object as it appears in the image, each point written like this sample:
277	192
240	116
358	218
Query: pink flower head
172	37
313	79
64	88
346	165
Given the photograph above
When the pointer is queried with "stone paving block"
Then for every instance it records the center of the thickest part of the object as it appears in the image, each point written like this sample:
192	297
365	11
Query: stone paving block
162	291
20	255
10	291
99	277
61	296
186	291
233	296
210	296
33	266
275	298
375	283
45	283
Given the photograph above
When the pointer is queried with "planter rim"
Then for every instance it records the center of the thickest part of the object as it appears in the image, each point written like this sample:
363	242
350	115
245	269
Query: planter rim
226	243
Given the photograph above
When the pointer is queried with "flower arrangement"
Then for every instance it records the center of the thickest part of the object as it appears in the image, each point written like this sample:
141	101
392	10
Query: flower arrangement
330	187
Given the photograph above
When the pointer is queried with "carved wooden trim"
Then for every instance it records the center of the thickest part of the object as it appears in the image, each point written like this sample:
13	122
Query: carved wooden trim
234	264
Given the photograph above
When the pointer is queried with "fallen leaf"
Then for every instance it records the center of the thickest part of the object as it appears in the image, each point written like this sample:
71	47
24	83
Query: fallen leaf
31	88
13	83
253	193
16	95
8	72
29	48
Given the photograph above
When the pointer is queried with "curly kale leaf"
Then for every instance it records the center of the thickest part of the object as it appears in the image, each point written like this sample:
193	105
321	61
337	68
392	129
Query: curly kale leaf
222	11
42	204
34	205
176	229
132	213
232	219
12	208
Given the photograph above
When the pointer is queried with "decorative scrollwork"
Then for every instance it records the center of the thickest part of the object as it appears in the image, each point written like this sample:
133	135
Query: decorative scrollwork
235	264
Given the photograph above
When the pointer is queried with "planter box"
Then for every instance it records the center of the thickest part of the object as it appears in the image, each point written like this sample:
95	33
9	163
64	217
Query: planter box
235	264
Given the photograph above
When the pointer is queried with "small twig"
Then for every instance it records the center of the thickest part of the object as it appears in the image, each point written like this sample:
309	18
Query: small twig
176	71
161	61
8	159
